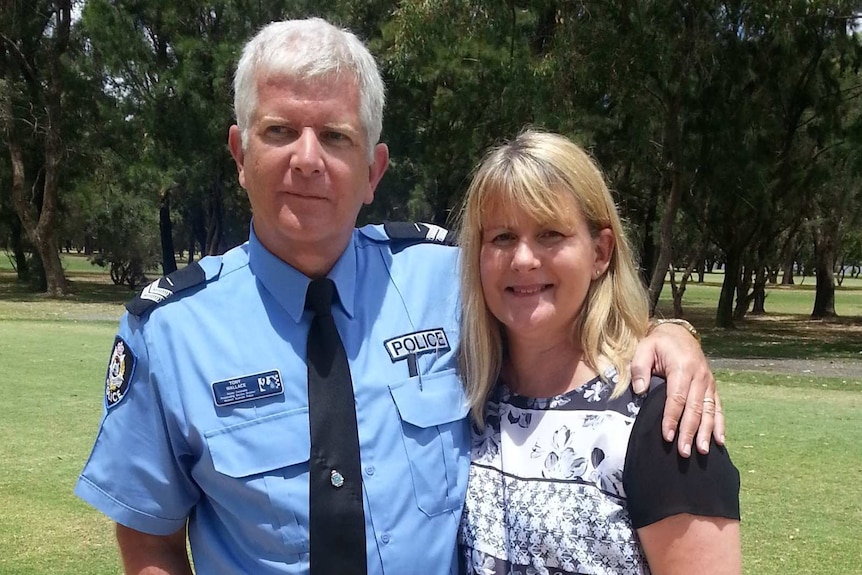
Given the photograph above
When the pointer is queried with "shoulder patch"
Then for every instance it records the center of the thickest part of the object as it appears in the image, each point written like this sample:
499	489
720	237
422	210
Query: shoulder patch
411	233
165	287
121	367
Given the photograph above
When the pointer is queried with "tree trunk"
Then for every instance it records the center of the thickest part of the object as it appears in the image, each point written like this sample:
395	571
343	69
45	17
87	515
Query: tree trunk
39	231
824	257
191	249
759	305
169	259
215	221
743	294
22	266
648	249
676	293
724	312
665	254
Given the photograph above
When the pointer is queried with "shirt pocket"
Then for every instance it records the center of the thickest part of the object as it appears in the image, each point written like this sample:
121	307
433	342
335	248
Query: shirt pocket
264	469
432	409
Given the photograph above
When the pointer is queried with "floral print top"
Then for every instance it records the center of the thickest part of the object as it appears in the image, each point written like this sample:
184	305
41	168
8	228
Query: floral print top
545	493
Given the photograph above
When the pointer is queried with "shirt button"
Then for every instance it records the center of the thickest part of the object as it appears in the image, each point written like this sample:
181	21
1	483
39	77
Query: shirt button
369	470
385	538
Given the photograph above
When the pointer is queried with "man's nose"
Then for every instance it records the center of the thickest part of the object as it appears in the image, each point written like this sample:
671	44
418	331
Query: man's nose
307	158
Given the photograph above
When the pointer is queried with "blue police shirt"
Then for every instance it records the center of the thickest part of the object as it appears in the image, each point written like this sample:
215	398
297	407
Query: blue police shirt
206	414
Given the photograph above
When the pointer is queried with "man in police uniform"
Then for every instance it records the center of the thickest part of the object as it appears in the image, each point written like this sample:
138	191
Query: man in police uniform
206	425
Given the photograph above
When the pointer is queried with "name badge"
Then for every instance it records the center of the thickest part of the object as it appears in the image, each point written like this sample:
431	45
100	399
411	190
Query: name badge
247	388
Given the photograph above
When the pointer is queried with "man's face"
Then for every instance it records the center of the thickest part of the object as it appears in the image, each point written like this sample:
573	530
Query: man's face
306	169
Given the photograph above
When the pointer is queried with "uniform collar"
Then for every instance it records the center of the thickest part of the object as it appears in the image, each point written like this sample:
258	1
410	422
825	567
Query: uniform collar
288	285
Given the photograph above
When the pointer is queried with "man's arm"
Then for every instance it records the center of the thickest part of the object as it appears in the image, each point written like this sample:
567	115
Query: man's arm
145	554
670	350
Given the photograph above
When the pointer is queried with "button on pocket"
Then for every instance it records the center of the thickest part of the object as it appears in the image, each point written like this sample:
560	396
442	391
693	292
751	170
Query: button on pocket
435	437
263	465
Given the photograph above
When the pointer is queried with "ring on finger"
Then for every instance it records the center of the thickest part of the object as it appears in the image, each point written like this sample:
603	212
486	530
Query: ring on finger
708	400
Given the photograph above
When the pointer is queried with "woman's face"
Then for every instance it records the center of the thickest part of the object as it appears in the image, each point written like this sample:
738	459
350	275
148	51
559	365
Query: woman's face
535	277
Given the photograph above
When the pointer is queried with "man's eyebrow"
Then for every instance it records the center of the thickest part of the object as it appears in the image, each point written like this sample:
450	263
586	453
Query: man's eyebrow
342	127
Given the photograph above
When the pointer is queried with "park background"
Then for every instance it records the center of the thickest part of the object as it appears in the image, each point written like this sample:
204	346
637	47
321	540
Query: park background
730	133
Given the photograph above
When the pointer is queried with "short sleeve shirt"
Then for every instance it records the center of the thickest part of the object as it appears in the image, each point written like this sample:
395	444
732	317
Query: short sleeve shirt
212	423
551	489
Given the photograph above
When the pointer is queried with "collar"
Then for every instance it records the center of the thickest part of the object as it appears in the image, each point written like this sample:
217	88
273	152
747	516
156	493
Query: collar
288	285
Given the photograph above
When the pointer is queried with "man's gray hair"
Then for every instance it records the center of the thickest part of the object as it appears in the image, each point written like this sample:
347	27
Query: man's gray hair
305	50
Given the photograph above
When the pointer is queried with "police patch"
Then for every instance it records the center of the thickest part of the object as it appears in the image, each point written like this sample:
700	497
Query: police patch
417	343
121	367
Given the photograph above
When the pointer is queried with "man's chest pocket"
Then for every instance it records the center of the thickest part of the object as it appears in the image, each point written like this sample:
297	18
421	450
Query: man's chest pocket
262	478
435	436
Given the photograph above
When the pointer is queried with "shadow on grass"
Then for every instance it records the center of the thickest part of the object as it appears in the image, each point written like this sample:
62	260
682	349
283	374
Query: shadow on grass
780	336
85	287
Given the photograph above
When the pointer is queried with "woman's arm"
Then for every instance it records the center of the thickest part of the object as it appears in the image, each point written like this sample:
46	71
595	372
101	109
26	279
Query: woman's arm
684	544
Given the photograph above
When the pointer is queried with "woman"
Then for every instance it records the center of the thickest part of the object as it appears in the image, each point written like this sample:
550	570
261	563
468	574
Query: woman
569	472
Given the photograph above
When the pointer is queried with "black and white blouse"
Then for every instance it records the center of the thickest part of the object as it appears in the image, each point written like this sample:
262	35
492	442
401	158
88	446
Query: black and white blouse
558	485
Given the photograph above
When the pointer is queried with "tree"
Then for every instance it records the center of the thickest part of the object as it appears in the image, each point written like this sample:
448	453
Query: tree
34	45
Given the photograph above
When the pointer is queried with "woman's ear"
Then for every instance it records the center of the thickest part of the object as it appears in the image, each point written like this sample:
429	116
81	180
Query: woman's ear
604	244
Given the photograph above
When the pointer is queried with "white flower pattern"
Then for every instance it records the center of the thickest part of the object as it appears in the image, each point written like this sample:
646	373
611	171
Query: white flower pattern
545	494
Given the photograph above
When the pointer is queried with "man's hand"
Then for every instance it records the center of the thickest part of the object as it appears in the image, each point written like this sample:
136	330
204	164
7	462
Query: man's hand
692	402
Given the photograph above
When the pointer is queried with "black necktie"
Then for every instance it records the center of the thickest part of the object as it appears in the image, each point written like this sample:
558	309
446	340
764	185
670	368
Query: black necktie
336	521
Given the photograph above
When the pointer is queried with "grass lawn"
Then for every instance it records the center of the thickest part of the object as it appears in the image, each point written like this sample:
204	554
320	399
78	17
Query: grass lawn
52	389
797	444
799	455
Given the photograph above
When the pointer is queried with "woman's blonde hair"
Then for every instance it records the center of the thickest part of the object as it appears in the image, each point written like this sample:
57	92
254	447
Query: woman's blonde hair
540	172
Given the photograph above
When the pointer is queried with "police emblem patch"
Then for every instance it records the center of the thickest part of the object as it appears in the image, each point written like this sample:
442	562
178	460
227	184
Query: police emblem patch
121	366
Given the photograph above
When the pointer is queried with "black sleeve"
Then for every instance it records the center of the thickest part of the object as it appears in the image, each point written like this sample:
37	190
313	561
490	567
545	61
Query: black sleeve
660	483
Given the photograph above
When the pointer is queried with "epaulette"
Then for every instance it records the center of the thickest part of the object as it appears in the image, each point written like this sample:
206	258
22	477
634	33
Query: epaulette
166	287
412	233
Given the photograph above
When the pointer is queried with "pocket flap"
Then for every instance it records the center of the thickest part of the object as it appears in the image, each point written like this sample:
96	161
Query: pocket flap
438	400
261	445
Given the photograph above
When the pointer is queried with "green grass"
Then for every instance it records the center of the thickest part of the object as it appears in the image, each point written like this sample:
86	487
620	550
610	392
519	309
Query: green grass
799	454
786	331
72	263
786	300
51	393
796	439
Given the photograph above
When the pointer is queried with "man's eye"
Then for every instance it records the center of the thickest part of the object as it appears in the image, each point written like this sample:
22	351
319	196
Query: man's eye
279	131
335	137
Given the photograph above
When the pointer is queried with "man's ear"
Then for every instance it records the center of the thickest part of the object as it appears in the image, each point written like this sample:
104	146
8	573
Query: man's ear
604	242
234	142
378	166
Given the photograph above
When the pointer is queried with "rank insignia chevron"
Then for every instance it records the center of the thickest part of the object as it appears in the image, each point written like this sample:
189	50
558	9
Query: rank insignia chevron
166	287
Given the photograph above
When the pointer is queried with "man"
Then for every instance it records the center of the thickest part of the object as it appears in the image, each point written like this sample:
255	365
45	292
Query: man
207	425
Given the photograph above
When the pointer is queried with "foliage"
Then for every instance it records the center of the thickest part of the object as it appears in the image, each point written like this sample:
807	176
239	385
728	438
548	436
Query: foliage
126	225
727	130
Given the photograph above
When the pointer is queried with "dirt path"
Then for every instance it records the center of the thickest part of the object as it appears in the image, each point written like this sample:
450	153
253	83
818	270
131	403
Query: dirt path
814	367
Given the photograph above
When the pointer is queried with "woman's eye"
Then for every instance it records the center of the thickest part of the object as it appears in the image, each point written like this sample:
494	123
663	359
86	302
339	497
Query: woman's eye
503	238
